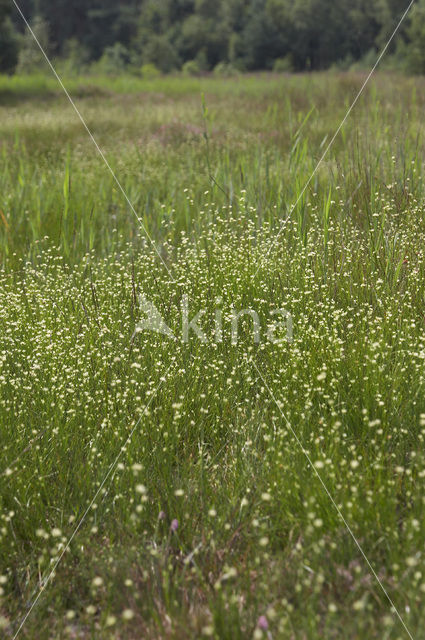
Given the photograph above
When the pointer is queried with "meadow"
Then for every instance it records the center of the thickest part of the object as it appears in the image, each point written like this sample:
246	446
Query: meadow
152	488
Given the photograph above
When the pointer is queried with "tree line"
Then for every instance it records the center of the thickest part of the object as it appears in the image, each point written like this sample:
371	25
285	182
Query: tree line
201	35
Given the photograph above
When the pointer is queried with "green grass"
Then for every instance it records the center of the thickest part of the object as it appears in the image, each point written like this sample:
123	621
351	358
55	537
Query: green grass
208	431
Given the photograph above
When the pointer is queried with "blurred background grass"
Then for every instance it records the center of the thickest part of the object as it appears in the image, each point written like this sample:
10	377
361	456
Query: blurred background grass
261	133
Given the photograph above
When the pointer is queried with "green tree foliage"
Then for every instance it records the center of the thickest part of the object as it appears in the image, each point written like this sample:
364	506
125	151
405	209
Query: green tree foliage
96	24
30	56
245	34
416	34
8	39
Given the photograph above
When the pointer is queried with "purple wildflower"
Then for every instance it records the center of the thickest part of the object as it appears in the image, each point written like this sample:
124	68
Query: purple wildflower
262	623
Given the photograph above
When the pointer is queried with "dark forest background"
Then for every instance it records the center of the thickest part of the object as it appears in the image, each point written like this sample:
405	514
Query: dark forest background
196	36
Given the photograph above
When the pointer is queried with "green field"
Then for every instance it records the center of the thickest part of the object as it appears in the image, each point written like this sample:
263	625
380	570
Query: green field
169	485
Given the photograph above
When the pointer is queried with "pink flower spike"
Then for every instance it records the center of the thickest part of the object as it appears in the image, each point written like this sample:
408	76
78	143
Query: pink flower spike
262	623
161	515
174	525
